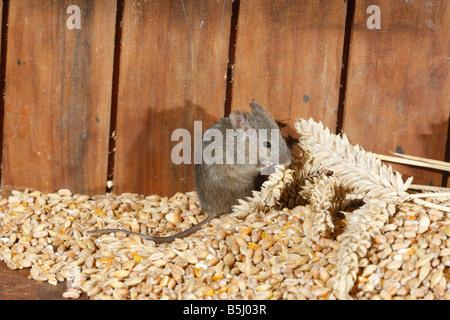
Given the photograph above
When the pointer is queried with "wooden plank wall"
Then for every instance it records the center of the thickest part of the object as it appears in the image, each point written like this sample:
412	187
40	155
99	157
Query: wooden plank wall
288	58
398	88
57	96
82	107
173	63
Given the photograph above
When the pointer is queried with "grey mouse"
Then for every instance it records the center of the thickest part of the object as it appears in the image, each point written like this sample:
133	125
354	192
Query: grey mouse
235	152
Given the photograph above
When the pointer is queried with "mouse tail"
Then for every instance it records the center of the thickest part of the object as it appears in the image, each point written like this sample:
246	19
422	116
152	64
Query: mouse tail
160	239
184	233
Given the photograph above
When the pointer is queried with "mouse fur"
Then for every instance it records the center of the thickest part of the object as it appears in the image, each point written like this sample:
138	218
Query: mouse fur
219	184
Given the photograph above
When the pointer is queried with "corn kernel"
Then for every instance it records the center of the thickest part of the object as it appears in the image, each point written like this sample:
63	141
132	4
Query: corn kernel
218	276
222	290
253	245
99	212
246	230
136	257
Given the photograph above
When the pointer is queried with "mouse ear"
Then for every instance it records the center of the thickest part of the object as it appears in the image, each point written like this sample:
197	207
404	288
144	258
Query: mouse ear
256	107
239	120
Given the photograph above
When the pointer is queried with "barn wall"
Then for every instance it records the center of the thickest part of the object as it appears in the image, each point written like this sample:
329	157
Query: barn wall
85	106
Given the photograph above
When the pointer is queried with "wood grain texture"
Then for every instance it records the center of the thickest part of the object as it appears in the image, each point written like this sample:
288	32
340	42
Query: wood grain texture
15	285
398	83
172	72
288	58
58	96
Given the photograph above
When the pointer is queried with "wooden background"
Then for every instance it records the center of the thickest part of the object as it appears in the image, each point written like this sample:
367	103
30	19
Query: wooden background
81	107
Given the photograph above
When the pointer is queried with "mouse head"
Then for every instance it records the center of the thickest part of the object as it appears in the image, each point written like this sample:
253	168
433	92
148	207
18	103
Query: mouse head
265	147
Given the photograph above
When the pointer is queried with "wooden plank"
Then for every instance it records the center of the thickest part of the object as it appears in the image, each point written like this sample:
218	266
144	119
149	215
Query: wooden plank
15	285
288	58
58	96
1	16
398	83
172	72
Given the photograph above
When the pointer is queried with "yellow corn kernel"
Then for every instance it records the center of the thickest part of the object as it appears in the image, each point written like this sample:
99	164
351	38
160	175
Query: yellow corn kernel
136	257
253	245
99	212
246	230
222	290
265	236
218	276
107	260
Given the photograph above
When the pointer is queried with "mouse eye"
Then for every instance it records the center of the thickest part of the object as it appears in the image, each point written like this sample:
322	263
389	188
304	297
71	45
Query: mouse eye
266	144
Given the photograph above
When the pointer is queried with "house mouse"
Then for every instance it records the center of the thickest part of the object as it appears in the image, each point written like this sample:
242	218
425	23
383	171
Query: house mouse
235	152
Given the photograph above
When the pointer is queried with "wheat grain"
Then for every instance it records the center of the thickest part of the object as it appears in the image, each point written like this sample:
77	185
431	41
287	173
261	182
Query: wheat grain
335	223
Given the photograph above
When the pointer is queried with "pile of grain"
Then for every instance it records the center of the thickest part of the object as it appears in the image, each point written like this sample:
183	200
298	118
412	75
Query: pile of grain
336	224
